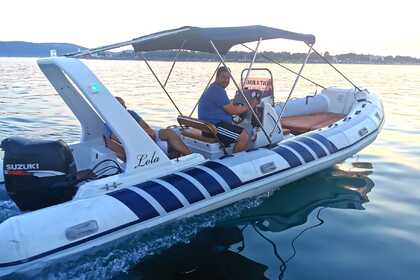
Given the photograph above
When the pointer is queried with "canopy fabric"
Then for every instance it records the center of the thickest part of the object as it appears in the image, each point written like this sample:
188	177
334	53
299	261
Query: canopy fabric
197	39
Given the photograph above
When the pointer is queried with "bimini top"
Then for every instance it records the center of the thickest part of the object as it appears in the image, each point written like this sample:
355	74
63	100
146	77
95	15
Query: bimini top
224	38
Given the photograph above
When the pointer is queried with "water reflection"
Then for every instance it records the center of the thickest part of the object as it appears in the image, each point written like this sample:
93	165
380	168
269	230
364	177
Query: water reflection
218	253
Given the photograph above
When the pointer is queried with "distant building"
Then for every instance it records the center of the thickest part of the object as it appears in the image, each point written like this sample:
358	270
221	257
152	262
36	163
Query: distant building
53	52
376	59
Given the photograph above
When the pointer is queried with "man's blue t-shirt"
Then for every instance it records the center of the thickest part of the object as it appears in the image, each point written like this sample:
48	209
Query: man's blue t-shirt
210	107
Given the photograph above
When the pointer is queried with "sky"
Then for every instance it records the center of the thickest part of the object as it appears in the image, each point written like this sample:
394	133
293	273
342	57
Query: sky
361	26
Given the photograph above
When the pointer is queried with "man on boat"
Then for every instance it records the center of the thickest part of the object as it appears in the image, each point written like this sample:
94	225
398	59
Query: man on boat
216	108
165	138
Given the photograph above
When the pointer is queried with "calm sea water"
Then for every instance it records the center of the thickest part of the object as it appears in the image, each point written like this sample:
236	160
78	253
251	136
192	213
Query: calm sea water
357	220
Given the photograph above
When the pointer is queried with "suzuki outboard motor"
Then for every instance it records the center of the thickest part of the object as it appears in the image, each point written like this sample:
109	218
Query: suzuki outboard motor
38	173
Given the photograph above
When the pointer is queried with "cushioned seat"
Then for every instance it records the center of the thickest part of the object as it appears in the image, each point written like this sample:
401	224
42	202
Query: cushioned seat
304	123
196	134
195	128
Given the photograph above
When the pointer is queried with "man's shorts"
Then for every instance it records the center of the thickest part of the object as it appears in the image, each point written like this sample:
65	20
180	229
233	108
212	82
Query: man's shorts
228	133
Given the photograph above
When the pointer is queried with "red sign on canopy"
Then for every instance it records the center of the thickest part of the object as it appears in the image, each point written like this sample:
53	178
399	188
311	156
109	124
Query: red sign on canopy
255	83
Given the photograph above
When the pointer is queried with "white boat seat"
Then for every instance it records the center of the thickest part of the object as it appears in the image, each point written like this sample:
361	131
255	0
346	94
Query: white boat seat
196	134
195	128
304	123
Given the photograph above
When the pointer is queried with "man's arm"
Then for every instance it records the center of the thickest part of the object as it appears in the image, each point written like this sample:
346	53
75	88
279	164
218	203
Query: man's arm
147	128
236	109
143	124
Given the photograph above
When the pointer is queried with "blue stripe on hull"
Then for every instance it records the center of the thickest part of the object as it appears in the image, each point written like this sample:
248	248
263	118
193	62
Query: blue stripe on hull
307	156
205	179
191	193
162	195
290	157
327	143
140	206
228	175
313	145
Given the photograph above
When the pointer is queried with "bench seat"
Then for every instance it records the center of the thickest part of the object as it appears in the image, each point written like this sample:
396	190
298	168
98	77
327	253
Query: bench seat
305	123
196	134
195	128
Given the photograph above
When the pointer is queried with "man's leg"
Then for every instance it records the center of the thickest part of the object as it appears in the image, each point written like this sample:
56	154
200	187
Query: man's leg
174	141
229	133
242	142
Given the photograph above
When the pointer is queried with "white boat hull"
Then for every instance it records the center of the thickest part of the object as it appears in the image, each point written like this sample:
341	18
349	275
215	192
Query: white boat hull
35	241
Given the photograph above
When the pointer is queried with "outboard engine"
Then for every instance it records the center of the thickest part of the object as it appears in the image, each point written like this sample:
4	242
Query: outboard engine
38	173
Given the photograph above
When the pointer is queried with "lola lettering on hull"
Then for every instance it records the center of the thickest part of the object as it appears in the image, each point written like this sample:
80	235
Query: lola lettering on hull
146	159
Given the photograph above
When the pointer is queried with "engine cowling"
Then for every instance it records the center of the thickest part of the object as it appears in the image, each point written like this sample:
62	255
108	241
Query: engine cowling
38	173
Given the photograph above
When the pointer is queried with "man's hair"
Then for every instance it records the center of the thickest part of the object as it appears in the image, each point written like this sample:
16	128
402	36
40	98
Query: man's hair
119	99
220	70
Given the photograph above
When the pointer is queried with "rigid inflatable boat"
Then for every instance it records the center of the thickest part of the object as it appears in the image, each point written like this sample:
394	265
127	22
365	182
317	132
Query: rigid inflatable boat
87	194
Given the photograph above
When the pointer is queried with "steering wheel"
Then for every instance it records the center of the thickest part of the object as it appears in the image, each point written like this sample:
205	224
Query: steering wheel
254	94
237	119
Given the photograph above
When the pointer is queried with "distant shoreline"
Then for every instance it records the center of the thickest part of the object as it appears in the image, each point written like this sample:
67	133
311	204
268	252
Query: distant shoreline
230	61
37	50
257	61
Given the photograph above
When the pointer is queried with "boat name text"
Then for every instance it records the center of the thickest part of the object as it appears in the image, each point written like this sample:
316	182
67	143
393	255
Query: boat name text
146	159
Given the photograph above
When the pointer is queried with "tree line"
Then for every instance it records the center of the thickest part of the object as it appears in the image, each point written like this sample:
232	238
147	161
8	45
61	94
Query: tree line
284	57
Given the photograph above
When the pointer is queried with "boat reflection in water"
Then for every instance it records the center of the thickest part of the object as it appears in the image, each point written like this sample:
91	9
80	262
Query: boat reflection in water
215	253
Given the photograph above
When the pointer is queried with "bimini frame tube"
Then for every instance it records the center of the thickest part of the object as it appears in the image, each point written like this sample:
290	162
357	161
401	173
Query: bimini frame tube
241	92
284	67
207	86
252	62
173	63
163	86
338	71
99	49
292	89
160	83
